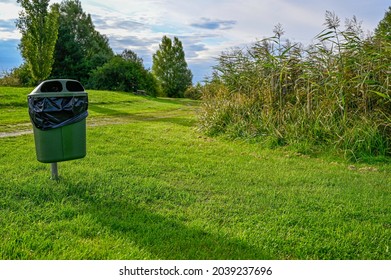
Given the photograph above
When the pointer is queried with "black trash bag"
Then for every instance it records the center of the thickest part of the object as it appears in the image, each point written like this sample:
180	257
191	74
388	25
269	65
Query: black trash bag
54	112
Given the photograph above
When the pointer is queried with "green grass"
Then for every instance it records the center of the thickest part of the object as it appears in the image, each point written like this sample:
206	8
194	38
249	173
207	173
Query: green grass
153	187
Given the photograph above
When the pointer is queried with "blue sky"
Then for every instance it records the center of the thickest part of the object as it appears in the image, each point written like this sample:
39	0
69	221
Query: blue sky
205	27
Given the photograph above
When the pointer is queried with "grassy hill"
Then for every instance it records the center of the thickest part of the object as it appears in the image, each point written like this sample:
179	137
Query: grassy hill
153	187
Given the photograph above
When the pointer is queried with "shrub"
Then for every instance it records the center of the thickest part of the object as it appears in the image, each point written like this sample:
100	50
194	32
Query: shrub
19	76
123	75
194	92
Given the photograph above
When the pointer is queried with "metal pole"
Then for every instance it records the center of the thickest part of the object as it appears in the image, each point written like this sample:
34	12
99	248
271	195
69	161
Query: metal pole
54	169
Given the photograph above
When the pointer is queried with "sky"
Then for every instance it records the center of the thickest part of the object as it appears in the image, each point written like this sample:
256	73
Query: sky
205	27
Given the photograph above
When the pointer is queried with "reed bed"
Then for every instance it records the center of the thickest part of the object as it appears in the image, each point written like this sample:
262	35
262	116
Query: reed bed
333	94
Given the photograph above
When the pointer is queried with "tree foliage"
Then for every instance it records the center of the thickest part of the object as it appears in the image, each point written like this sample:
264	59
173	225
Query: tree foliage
383	29
39	28
170	68
80	48
130	55
124	72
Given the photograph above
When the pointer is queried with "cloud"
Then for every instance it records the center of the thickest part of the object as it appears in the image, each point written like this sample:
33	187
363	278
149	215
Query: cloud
8	30
9	10
142	46
7	25
7	1
108	22
193	50
206	23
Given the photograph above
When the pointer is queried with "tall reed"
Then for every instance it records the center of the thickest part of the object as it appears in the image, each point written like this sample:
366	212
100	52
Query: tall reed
334	93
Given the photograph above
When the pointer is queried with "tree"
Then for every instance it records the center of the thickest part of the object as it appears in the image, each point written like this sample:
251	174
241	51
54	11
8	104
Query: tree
80	48
130	55
124	74
39	29
170	68
383	29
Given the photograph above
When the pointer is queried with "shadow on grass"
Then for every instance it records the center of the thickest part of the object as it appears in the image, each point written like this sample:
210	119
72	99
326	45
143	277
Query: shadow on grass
105	110
163	236
167	238
163	117
181	101
14	104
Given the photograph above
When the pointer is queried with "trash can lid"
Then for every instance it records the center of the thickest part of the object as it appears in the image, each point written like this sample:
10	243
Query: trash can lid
58	87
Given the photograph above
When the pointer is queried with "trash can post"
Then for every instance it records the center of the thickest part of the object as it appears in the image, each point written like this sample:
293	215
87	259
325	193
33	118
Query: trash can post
54	169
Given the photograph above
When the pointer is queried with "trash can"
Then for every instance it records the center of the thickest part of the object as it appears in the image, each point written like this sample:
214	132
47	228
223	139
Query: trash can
58	111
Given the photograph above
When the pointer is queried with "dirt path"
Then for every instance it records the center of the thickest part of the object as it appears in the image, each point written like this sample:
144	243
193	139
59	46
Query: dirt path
15	133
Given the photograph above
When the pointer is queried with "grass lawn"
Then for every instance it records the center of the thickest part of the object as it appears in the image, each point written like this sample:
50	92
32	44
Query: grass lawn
153	187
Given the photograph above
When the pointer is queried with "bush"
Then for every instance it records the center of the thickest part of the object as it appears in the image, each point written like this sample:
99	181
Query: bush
17	77
8	79
194	92
123	75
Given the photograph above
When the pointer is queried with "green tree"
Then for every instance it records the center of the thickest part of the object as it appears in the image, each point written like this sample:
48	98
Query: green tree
39	28
379	54
170	68
383	29
124	73
130	55
80	48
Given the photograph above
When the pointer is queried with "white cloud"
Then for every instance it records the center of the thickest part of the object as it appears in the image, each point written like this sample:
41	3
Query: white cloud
9	10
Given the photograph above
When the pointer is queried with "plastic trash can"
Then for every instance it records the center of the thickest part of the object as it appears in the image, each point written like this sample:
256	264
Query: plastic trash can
58	111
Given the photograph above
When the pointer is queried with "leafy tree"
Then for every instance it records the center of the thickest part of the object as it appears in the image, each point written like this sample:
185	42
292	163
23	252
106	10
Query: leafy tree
383	29
378	59
39	28
124	75
130	55
170	68
80	48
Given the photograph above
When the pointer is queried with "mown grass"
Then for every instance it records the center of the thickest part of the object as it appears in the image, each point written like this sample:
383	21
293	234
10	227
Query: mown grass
102	105
153	187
